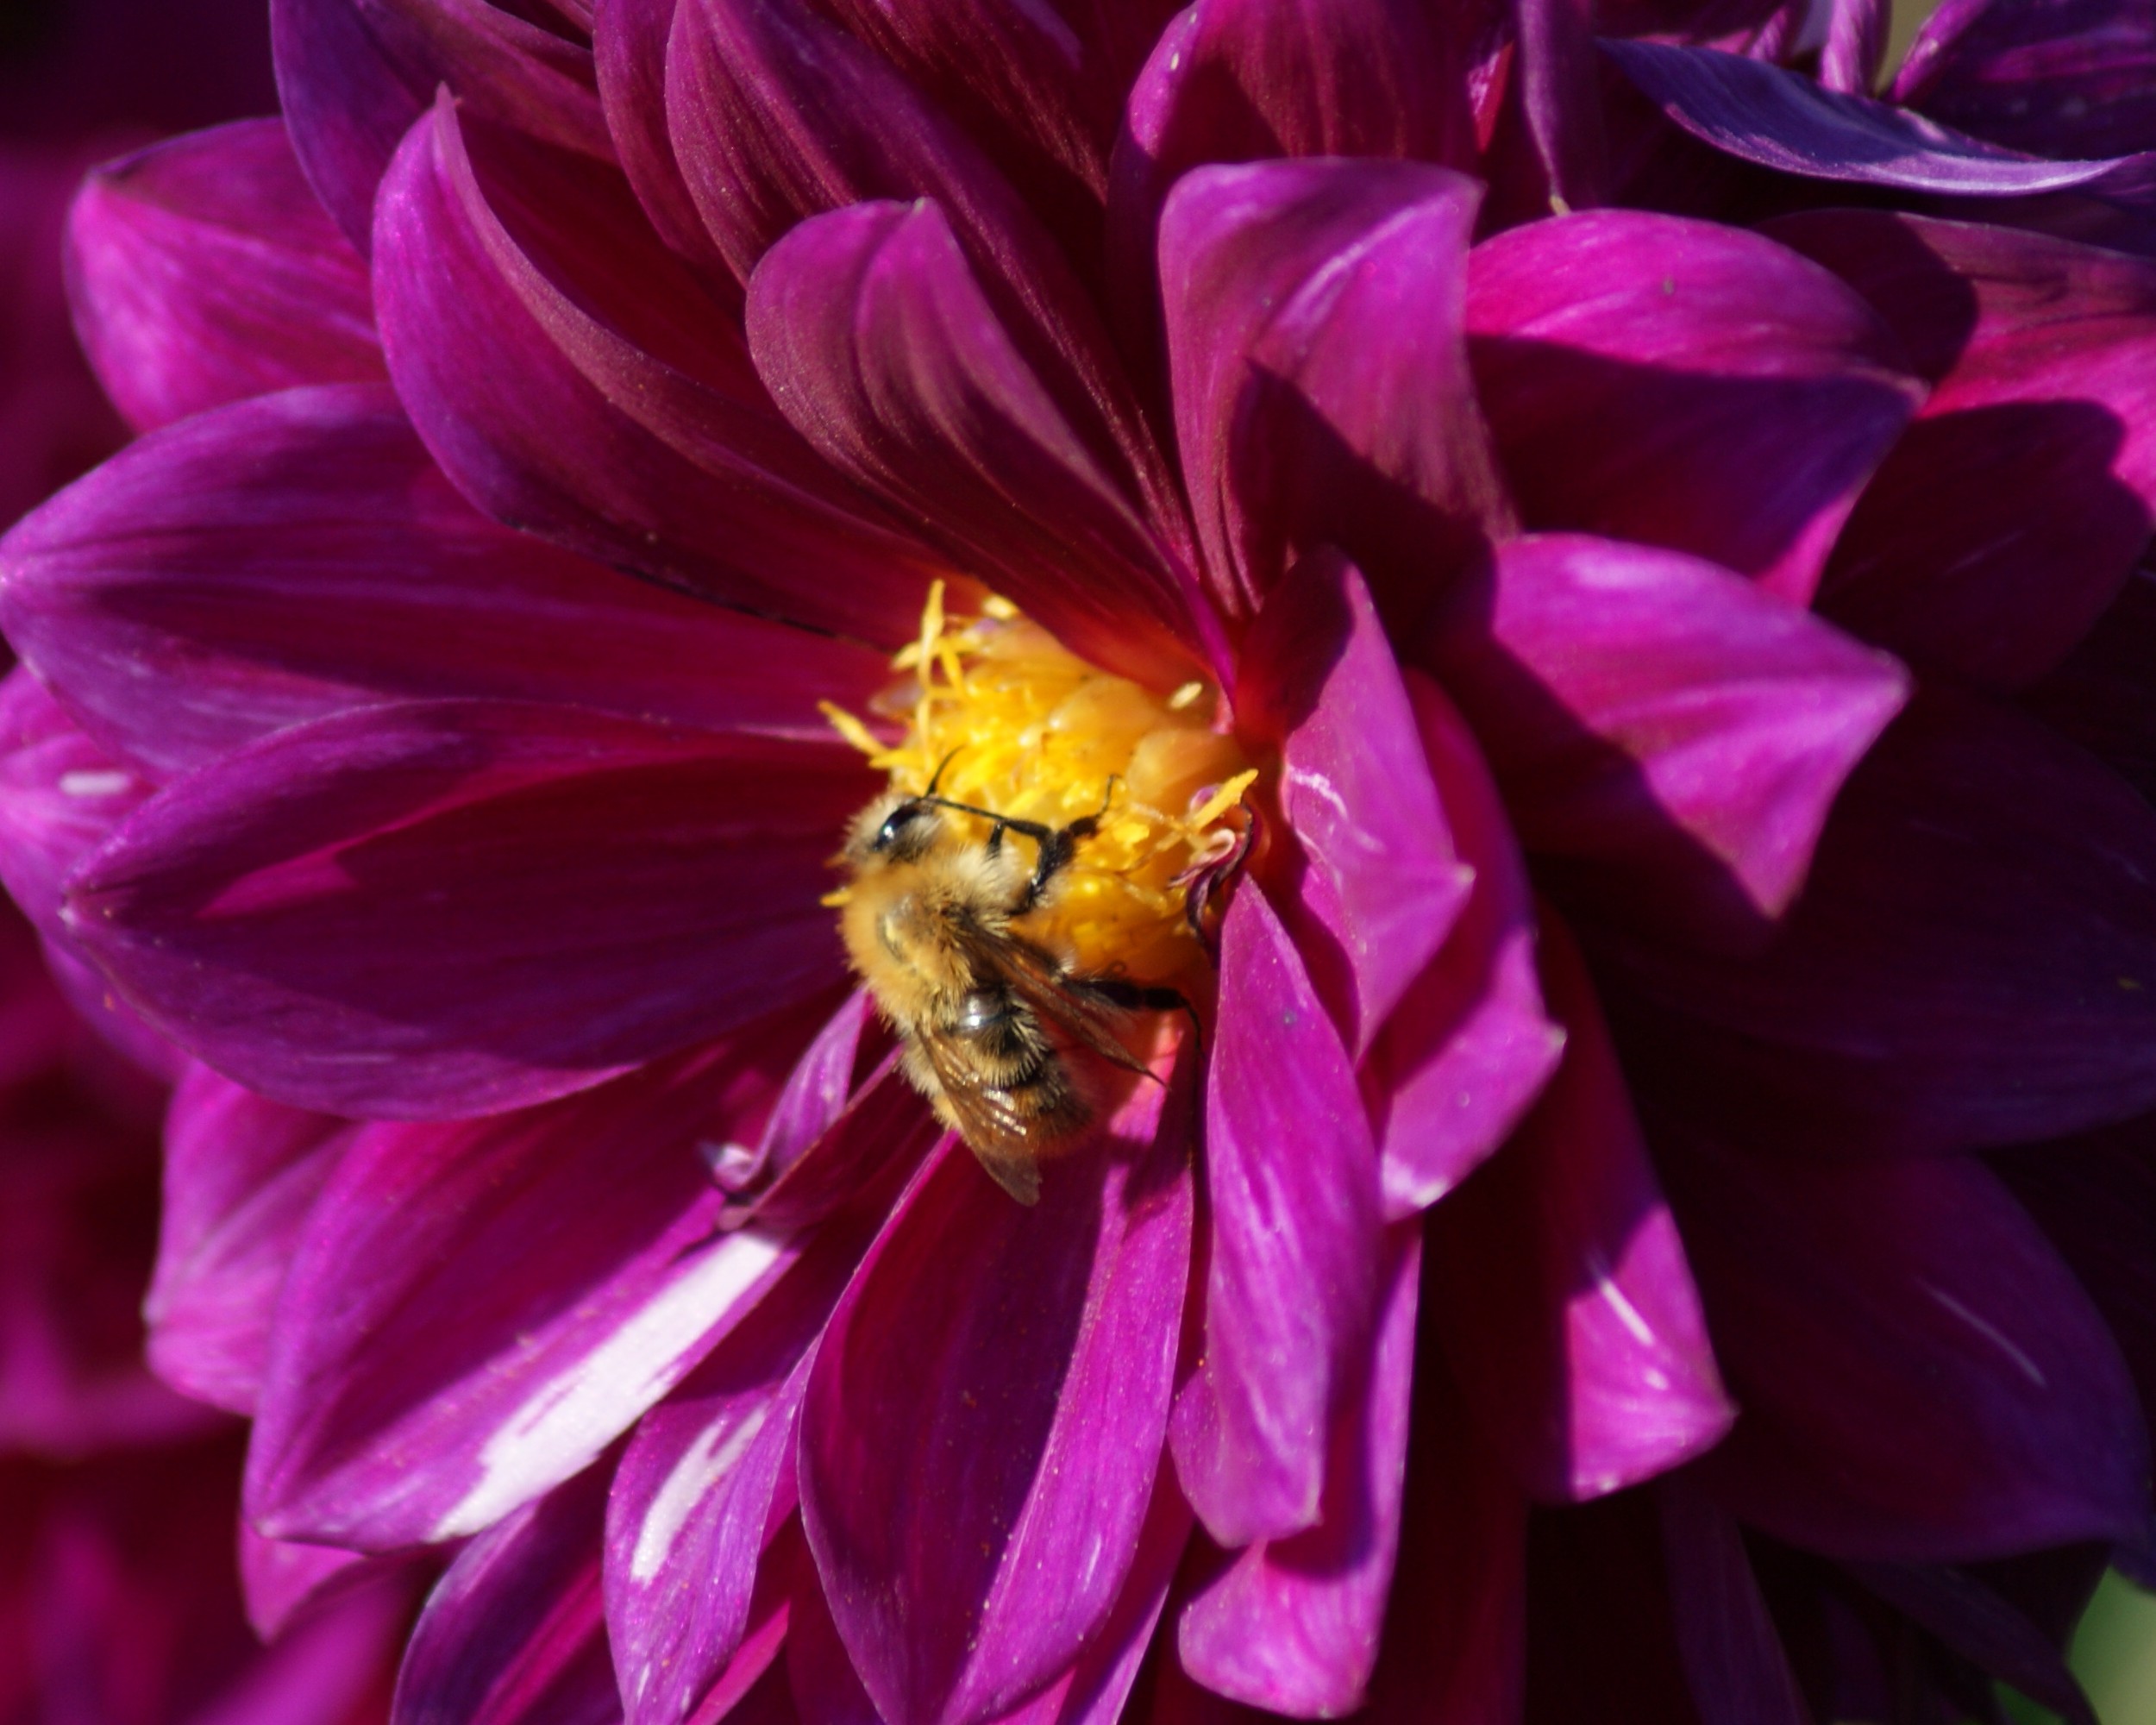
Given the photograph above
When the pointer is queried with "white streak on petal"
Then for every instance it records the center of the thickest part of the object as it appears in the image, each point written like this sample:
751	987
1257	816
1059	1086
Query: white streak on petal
702	1466
573	1416
2030	1369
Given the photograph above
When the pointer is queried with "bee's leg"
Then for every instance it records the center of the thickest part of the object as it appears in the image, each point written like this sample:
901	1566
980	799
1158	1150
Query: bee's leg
1142	997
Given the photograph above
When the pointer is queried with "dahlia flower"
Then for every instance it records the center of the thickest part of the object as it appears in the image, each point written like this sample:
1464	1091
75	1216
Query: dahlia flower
1626	727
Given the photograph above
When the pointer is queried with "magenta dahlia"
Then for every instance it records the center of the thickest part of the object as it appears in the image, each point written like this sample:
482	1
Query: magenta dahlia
1500	848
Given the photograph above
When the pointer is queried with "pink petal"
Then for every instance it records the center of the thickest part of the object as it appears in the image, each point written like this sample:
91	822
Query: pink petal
1562	1289
573	1242
1321	392
1669	738
202	271
1683	384
2021	498
248	910
1291	1287
1922	1378
301	554
512	1635
1470	1046
353	75
242	1174
572	378
876	339
1383	883
984	1422
1293	1625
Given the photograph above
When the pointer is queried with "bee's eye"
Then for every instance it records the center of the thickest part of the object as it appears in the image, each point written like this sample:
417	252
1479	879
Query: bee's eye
895	824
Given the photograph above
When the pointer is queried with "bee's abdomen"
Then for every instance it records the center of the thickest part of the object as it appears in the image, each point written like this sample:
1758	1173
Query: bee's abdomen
1015	1057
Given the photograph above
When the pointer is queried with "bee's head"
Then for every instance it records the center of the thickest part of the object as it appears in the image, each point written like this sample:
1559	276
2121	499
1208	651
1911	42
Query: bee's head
897	828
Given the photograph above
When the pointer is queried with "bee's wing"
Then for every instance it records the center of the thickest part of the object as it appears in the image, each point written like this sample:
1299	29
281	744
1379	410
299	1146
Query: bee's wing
993	1130
1060	999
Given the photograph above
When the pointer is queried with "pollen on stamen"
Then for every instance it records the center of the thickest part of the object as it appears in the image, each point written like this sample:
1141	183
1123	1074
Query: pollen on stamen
1019	725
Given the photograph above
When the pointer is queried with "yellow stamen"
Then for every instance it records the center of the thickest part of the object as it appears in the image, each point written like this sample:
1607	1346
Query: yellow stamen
1021	726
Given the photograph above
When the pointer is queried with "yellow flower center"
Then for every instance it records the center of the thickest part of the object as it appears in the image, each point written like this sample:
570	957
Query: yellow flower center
1018	725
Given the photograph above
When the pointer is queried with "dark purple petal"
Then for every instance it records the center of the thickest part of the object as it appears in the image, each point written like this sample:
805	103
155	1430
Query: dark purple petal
1779	119
573	379
1293	1625
64	797
1321	392
202	271
1382	882
1682	384
874	335
353	75
1668	736
1600	1624
1455	1631
240	1175
704	1487
820	1087
984	1422
1470	1046
513	1634
1561	1288
1733	1654
448	906
1857	33
574	1244
778	117
2010	514
628	51
1972	963
1560	101
1921	1376
2058	77
1291	1289
1982	1626
301	554
2103	696
1249	80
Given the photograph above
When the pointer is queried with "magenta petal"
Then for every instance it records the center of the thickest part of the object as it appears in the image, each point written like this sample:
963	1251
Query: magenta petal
2020	501
64	797
1470	1047
1671	738
1321	392
1562	1289
1685	384
1384	882
1733	1654
778	117
240	1175
703	1488
367	915
572	378
1902	1011
2065	78
1095	1688
203	271
301	554
983	1426
1293	1625
1922	1378
1245	80
352	76
1763	114
512	1634
380	1425
284	1582
872	332
628	52
1291	1289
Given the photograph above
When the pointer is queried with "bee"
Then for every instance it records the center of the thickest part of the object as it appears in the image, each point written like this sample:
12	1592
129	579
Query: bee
994	1026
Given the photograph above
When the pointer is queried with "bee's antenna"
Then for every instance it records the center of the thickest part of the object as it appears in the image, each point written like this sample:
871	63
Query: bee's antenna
938	778
1107	796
